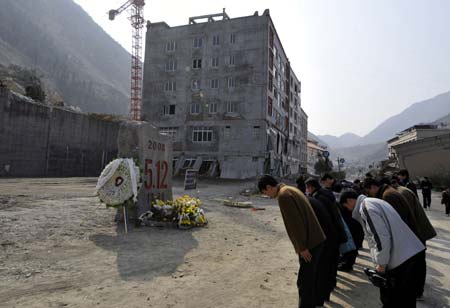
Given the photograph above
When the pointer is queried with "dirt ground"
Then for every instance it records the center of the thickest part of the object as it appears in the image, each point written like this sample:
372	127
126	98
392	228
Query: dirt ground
60	248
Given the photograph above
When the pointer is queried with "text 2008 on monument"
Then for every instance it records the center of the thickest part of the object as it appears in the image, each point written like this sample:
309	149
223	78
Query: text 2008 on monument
156	146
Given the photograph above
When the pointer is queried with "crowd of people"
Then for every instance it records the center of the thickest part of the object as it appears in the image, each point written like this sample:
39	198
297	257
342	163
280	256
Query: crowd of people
327	222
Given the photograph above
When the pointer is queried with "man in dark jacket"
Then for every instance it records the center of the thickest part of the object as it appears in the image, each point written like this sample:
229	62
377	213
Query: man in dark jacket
326	197
304	231
445	200
403	176
348	259
426	187
394	198
325	270
425	232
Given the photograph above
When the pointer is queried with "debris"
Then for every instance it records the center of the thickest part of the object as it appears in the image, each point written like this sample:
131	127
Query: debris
239	204
254	209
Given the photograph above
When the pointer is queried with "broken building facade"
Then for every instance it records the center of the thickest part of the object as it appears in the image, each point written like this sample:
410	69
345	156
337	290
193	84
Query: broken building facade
223	89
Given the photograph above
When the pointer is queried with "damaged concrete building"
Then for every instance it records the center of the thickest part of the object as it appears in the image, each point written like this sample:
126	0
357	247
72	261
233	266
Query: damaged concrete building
224	90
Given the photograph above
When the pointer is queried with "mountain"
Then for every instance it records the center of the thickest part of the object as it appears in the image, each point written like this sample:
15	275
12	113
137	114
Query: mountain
67	48
343	141
422	112
443	120
361	154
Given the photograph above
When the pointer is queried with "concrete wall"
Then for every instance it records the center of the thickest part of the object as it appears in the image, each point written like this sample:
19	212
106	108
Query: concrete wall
39	140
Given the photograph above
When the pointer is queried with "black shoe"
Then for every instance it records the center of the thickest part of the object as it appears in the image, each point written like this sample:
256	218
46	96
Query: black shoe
345	267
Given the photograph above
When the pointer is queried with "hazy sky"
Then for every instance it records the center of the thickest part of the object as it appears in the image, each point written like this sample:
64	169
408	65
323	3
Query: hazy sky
360	61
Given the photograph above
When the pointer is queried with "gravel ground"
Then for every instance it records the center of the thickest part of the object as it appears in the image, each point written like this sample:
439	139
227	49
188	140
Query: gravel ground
59	247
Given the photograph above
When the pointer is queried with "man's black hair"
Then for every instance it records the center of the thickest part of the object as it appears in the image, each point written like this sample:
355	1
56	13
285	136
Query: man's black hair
327	176
348	194
337	187
404	172
368	182
384	180
301	184
313	182
265	180
357	181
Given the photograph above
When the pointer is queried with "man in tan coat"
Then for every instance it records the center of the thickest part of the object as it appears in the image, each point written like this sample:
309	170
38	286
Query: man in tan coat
304	231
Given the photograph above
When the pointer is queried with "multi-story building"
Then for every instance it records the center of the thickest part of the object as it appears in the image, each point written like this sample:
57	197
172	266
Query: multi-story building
315	152
224	90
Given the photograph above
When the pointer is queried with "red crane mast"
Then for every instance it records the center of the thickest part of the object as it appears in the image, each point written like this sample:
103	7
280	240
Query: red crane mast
137	23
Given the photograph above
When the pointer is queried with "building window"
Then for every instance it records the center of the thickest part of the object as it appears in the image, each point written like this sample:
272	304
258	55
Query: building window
195	108
214	83
231	107
232	38
202	134
269	107
170	46
231	60
231	82
212	108
216	40
195	84
255	131
198	41
170	86
270	85
197	63
270	59
169	131
189	163
271	37
169	109
171	65
215	62
227	132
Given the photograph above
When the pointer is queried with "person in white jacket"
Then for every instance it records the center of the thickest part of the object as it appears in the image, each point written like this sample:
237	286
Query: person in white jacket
393	246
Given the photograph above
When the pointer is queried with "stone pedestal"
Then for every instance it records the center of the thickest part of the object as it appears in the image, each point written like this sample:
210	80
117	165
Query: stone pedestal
142	141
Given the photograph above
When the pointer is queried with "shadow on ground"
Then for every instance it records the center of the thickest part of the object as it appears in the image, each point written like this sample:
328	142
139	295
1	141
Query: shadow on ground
147	252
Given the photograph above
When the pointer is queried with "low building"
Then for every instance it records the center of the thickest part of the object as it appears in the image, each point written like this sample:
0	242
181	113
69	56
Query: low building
414	133
425	157
422	149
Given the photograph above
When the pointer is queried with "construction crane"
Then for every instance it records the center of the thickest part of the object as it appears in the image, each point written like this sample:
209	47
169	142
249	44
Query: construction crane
137	23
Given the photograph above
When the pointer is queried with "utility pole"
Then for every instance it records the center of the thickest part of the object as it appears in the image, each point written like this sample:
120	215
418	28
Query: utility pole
340	160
